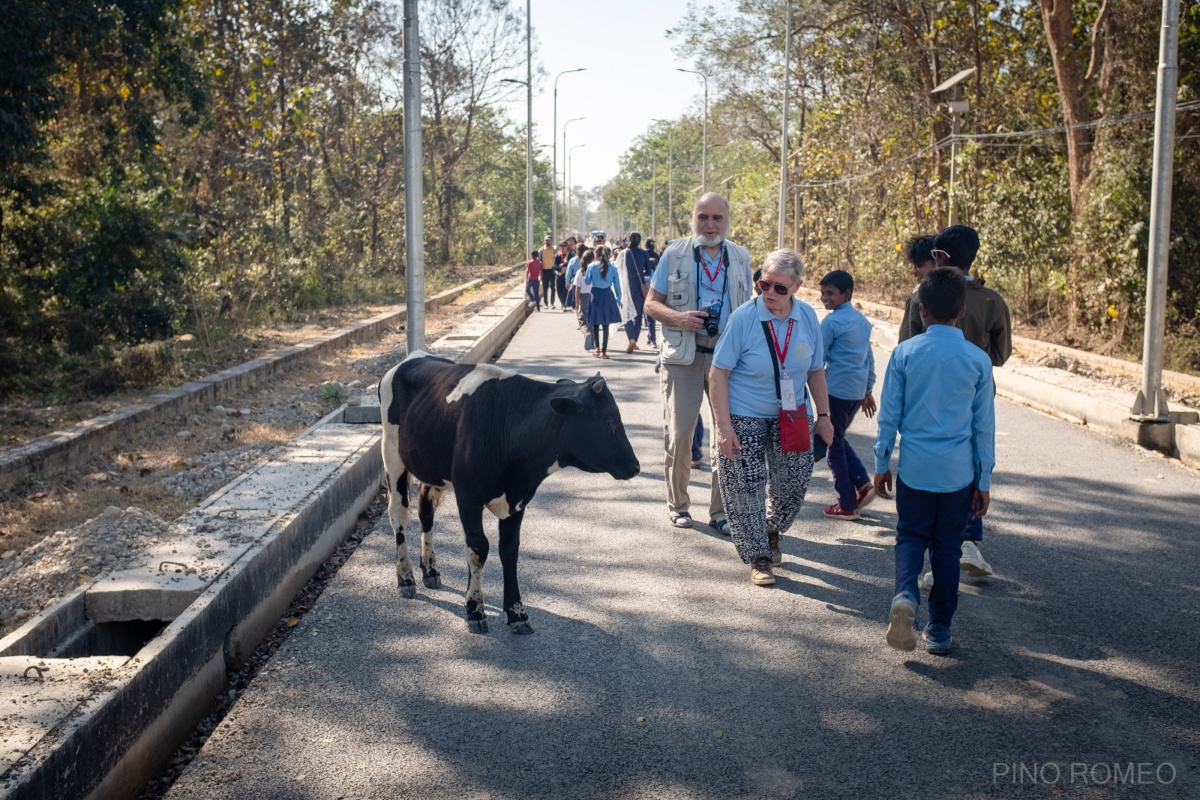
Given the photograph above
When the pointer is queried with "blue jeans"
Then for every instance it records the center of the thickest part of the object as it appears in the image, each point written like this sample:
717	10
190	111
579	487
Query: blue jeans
848	472
531	292
698	439
931	521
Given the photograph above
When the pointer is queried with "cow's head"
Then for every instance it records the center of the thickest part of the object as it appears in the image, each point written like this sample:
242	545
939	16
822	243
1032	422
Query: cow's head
593	437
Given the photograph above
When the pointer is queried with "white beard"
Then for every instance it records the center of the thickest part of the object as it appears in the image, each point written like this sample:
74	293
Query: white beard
709	241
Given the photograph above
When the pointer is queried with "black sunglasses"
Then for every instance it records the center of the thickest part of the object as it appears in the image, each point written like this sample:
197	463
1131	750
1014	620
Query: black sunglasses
766	286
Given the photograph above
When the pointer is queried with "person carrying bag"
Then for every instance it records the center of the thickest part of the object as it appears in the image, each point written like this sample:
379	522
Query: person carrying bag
764	442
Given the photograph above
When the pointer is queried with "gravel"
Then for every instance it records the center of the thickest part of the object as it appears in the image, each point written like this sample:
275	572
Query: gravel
56	565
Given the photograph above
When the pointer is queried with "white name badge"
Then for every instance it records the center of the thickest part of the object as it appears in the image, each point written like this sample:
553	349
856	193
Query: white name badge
787	394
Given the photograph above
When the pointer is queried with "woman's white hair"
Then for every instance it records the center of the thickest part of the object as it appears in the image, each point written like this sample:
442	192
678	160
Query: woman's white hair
784	260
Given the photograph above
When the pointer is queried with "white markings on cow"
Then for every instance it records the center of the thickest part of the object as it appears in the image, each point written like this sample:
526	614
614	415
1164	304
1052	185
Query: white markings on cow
555	467
474	580
500	508
476	378
415	354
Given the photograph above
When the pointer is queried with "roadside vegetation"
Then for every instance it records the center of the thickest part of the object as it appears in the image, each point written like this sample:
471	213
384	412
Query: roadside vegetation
1062	214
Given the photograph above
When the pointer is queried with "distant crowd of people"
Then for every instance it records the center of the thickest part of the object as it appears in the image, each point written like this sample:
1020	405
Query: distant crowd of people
784	386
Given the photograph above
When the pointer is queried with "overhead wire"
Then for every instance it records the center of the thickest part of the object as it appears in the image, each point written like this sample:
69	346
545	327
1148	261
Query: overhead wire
988	140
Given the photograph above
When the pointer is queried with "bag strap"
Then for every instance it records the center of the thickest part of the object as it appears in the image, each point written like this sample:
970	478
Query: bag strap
774	357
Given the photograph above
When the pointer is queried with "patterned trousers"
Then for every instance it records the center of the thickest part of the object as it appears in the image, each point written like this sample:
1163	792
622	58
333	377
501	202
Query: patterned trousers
764	488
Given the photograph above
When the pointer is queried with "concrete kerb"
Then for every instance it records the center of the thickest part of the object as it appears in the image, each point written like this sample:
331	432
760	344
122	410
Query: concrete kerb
244	553
53	453
1082	409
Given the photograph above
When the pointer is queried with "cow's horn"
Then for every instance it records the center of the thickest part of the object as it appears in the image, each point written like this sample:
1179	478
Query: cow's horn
598	386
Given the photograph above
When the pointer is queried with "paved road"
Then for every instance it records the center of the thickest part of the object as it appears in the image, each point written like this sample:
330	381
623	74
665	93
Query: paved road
659	671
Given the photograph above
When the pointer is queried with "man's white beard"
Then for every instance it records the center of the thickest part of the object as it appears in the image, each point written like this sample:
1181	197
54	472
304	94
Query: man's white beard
710	241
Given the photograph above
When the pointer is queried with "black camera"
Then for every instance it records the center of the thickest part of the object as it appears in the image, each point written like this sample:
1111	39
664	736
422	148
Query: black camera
713	320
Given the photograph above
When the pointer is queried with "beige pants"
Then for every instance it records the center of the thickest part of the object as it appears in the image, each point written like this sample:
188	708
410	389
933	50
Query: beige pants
684	388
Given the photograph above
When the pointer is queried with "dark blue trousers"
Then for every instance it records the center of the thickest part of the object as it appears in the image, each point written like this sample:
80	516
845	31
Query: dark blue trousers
933	522
848	472
698	439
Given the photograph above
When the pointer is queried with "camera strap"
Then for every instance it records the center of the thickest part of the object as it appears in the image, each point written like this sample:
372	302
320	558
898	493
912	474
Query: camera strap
722	261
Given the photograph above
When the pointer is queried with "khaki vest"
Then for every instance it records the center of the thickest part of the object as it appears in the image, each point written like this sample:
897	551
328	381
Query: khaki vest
678	344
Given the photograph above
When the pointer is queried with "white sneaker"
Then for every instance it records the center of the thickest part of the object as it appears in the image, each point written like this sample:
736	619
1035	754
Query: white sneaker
926	581
900	633
972	561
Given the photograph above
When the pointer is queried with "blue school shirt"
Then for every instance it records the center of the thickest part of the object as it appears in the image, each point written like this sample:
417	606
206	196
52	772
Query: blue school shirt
849	361
938	394
593	278
572	268
742	349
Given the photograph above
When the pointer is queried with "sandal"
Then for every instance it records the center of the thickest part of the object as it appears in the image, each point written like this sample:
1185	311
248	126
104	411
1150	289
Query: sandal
681	519
604	355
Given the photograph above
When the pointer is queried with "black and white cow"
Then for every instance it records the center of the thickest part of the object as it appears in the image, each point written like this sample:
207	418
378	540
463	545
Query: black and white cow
495	436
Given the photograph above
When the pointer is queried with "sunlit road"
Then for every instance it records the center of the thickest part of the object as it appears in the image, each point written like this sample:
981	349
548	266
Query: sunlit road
658	671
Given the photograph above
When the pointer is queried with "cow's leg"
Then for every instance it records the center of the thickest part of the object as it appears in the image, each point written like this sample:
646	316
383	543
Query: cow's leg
428	499
398	492
470	511
510	546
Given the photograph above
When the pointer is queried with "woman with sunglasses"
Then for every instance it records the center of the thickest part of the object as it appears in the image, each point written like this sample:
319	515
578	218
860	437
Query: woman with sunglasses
771	350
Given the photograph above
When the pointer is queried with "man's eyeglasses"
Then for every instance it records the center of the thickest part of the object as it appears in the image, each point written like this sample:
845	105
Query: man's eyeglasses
940	254
779	288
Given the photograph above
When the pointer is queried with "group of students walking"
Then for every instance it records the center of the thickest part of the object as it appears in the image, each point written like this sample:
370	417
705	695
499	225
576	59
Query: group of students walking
784	388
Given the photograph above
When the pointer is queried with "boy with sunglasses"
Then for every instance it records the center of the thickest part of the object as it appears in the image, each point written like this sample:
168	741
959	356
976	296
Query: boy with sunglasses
850	375
985	323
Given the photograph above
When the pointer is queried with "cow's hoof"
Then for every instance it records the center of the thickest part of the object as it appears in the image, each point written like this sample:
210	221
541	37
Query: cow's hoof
520	627
408	590
433	581
477	625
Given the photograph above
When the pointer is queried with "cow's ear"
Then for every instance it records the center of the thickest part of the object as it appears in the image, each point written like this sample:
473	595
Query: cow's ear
598	386
564	406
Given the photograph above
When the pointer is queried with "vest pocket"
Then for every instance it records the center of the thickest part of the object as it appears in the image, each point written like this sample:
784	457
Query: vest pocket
673	340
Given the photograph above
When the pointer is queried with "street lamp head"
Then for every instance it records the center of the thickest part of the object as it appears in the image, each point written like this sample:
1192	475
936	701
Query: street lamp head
514	80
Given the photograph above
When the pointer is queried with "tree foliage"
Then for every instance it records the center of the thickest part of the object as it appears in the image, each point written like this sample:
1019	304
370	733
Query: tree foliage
172	164
1062	214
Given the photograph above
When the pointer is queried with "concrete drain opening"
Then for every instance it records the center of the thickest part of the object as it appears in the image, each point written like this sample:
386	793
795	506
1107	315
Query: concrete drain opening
108	639
91	623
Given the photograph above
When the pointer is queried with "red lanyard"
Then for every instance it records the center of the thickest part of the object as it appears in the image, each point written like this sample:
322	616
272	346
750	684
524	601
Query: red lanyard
787	341
712	276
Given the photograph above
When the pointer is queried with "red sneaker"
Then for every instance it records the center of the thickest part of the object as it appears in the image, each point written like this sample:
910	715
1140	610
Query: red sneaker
865	493
837	512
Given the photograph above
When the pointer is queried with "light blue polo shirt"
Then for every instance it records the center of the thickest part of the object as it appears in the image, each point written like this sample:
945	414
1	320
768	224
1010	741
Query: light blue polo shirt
705	293
742	349
849	360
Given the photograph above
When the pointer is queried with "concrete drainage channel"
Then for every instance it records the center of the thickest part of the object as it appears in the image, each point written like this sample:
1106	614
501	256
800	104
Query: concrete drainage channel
100	688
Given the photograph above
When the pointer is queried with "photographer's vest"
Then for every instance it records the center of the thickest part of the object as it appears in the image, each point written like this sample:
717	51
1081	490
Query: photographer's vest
678	344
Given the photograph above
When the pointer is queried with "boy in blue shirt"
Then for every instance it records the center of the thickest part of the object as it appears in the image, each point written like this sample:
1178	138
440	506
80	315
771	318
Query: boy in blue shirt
850	375
939	396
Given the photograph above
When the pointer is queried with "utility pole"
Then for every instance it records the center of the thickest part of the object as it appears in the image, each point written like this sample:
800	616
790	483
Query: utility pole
957	107
554	145
783	143
1150	408
704	151
654	194
528	130
414	196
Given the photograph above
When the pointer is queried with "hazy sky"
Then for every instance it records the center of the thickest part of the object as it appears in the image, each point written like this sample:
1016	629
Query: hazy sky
630	77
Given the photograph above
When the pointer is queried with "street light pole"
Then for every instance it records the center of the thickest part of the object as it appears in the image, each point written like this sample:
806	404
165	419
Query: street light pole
570	153
414	196
1151	403
567	187
654	193
528	129
783	144
670	184
704	155
554	139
